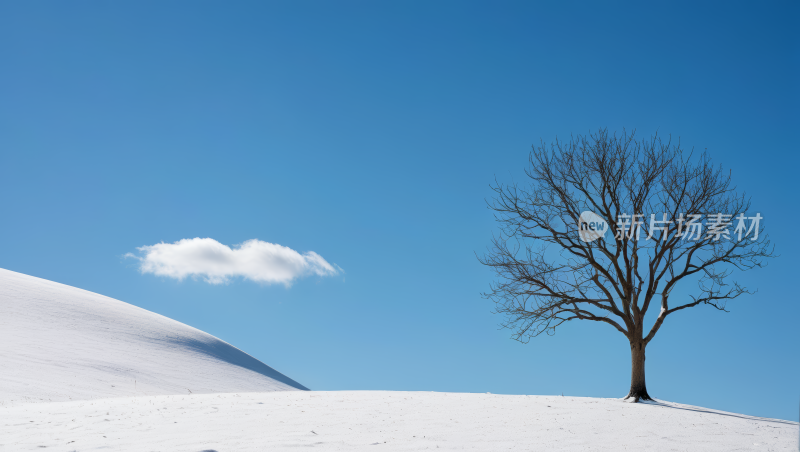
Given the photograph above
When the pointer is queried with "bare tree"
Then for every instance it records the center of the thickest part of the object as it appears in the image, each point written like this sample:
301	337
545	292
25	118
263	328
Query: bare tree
553	267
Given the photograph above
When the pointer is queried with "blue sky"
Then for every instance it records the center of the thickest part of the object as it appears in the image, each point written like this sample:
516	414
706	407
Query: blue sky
369	133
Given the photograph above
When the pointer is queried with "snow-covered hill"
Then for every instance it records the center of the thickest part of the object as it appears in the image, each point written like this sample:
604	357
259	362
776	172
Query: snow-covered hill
60	343
383	421
81	372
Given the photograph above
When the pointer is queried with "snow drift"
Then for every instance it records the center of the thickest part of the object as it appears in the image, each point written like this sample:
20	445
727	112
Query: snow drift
60	343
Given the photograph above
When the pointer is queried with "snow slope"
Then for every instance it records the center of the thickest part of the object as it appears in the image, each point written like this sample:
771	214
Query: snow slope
82	372
383	421
60	343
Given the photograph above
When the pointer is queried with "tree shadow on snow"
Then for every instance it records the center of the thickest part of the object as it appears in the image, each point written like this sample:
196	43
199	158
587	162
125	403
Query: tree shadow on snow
720	413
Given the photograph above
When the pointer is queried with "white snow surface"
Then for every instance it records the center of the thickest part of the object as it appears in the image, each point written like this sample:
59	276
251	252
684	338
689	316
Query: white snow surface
382	420
82	372
59	343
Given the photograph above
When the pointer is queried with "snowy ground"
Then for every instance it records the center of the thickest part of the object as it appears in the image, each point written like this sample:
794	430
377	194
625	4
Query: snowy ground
379	420
81	372
60	343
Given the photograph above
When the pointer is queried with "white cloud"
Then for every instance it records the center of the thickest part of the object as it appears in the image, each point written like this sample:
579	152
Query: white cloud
216	263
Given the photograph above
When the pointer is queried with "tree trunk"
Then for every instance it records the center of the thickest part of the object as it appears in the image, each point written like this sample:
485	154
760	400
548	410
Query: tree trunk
638	387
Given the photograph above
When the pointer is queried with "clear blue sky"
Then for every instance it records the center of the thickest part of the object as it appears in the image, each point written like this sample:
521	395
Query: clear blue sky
369	132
